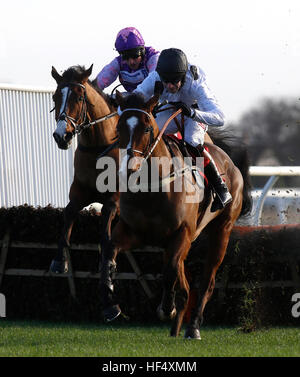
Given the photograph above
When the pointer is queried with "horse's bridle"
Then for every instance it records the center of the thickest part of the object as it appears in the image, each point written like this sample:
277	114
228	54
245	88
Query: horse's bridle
149	129
86	123
78	127
152	141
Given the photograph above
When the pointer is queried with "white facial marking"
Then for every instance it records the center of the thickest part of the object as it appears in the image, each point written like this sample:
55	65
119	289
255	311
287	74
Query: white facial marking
131	122
123	168
64	93
61	125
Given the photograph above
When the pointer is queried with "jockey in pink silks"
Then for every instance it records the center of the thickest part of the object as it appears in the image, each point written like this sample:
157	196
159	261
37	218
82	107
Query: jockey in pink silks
133	64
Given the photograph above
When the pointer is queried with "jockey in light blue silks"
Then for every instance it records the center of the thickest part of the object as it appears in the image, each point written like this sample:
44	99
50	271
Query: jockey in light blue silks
184	85
133	64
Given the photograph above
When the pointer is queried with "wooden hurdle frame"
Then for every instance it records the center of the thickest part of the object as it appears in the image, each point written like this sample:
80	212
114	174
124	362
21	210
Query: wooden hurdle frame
6	243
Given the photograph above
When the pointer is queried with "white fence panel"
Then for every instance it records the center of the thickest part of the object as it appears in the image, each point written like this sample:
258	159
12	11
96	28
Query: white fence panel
32	169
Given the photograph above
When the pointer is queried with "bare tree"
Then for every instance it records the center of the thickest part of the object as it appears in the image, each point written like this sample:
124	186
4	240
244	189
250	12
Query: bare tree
272	132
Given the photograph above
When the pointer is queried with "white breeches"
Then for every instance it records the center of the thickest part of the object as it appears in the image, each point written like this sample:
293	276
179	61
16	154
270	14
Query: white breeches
193	131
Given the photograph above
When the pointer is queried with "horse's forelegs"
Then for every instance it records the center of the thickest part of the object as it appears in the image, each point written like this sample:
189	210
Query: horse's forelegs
111	309
122	239
109	253
60	264
218	244
182	297
174	275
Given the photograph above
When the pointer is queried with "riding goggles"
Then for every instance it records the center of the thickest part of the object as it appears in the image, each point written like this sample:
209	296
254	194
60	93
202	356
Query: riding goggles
132	54
171	80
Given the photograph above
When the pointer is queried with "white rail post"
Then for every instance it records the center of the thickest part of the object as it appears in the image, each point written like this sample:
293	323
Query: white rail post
259	206
274	172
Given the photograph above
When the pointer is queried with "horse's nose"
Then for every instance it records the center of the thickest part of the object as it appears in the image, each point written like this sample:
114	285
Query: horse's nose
56	137
61	142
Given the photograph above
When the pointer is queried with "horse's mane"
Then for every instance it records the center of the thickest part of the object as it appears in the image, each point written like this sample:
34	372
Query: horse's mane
106	97
136	100
75	73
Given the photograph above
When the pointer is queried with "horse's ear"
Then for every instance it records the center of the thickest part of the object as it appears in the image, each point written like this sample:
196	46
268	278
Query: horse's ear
57	77
120	100
87	73
152	102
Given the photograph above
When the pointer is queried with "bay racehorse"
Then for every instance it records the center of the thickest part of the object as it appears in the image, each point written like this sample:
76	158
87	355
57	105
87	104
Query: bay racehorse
81	108
172	219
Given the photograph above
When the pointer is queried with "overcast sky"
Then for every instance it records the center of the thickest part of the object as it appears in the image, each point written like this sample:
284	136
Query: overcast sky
249	49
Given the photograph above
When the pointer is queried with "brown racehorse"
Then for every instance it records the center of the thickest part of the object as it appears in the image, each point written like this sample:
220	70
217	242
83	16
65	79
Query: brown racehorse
77	104
169	219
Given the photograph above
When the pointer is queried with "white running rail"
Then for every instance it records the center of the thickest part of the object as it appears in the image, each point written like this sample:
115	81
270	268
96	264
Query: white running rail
274	173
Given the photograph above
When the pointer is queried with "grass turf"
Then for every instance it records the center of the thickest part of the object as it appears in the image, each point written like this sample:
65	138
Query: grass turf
20	338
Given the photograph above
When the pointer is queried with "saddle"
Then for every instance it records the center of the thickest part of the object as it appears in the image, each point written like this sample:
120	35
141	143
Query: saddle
186	150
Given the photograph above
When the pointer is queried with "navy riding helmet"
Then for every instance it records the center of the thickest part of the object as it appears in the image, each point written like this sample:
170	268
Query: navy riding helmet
172	65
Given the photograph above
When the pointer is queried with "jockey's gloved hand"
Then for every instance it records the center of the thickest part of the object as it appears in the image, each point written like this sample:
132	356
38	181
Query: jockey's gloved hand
155	110
186	110
158	106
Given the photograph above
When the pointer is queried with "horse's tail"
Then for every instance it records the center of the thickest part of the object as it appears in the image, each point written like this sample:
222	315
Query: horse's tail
237	151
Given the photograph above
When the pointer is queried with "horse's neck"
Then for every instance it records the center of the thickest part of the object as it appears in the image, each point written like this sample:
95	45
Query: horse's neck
161	150
102	133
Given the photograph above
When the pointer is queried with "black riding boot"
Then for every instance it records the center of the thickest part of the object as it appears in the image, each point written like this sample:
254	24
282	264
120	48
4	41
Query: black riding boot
223	196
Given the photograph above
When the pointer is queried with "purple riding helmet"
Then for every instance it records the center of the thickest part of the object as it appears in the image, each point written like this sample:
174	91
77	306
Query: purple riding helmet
129	38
